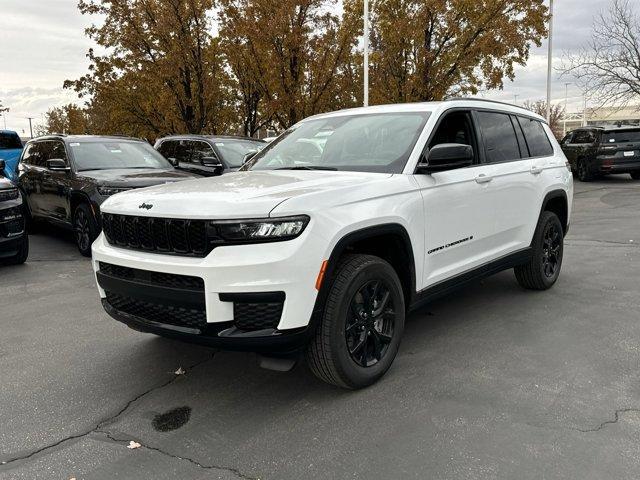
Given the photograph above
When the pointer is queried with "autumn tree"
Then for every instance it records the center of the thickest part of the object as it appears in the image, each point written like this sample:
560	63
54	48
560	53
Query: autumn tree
291	58
556	111
424	50
70	119
608	67
161	70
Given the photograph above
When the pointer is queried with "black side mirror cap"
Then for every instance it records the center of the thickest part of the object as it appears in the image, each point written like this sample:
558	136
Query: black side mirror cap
57	165
211	162
447	156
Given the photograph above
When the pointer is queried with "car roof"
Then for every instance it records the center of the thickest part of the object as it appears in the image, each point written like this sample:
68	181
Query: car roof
187	136
435	107
607	128
77	138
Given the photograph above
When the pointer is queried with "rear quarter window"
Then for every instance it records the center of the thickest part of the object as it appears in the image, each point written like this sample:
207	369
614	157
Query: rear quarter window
536	137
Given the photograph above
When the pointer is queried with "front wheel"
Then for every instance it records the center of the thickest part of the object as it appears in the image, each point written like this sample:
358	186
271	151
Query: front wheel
85	228
362	323
543	269
23	252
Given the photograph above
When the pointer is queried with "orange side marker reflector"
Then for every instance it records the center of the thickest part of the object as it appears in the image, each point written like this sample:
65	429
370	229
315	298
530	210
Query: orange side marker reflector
323	268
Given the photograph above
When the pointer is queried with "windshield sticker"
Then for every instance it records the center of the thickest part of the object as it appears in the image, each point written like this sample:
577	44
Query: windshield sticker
115	151
219	144
74	144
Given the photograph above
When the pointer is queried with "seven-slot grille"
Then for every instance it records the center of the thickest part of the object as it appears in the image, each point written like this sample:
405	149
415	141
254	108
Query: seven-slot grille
164	235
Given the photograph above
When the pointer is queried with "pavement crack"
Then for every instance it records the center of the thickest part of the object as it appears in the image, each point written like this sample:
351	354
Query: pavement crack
125	441
107	420
616	417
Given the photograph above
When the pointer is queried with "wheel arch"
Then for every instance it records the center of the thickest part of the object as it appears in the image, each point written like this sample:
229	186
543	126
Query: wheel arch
77	197
389	241
556	201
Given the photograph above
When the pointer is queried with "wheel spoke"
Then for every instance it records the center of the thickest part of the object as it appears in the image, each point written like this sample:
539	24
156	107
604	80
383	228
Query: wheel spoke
383	303
382	337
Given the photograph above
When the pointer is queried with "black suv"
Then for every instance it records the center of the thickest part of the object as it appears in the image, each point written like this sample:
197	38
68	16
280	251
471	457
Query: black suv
208	155
64	179
597	151
14	242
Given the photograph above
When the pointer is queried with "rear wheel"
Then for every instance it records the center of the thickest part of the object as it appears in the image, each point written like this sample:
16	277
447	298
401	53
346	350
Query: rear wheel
583	170
543	269
85	228
635	175
361	326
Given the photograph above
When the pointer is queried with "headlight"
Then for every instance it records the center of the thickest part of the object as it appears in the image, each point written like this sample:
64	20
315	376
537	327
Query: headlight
108	191
9	194
257	230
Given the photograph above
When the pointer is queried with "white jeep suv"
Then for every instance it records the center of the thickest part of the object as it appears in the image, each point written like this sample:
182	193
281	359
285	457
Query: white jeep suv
336	230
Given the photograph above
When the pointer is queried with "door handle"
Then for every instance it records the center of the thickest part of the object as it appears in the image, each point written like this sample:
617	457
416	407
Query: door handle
482	178
535	170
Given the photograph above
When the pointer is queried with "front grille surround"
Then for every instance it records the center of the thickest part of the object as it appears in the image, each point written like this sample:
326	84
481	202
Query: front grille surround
154	234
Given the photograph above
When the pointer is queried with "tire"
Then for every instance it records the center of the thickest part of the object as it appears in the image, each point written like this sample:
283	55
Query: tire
543	269
635	175
583	171
85	228
353	345
23	252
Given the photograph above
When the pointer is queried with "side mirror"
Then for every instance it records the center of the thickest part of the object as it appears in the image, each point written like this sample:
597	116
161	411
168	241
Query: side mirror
2	166
447	156
173	161
57	165
210	162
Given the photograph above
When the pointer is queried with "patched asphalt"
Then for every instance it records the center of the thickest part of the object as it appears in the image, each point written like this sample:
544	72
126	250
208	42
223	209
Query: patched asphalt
490	382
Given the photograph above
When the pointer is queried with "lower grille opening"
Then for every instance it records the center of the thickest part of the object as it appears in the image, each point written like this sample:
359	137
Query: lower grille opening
156	312
255	311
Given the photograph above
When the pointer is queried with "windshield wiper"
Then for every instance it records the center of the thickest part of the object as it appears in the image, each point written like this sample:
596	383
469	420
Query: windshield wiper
307	167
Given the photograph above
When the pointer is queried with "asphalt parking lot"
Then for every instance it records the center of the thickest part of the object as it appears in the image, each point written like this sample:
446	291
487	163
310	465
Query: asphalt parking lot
490	382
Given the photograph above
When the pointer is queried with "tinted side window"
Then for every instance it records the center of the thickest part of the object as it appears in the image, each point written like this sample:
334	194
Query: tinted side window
58	151
36	157
499	137
536	138
584	136
183	151
200	151
167	148
9	141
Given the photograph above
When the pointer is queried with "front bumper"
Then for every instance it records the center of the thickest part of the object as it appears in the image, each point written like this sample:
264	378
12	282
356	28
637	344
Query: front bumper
228	272
12	228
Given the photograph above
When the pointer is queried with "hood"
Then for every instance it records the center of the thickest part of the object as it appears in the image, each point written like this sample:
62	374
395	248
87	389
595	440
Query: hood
233	195
135	177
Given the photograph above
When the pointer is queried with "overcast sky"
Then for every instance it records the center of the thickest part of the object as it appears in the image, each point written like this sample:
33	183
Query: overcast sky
43	44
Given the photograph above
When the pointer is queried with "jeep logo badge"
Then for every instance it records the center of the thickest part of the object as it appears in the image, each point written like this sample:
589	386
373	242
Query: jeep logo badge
146	206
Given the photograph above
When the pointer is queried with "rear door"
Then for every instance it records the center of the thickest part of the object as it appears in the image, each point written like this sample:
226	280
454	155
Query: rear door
513	189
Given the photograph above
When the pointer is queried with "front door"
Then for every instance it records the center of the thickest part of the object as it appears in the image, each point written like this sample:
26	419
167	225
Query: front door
54	187
457	206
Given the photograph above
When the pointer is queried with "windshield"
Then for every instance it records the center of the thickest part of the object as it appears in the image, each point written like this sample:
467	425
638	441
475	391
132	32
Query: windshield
361	143
234	151
112	154
9	141
621	136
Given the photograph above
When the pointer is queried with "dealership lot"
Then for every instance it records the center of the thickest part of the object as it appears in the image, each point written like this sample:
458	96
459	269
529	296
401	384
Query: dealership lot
490	382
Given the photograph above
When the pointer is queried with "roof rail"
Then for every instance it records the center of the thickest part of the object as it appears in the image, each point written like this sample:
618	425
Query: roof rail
476	99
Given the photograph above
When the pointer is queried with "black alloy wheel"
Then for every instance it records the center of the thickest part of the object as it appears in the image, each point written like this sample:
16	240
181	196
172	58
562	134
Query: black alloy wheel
369	328
85	228
584	175
551	245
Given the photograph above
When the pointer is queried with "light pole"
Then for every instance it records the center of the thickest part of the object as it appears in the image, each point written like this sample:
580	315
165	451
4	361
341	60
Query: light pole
515	98
549	61
30	126
564	119
366	53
